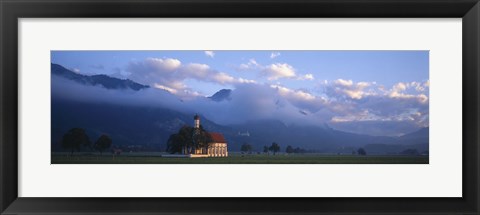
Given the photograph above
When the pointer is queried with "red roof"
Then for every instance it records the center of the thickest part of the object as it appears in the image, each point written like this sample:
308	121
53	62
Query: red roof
217	137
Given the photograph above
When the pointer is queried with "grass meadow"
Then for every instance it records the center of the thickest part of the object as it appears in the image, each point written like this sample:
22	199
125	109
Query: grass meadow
235	158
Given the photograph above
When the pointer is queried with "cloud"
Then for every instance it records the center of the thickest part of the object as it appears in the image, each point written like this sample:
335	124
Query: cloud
398	89
306	77
169	74
210	54
250	65
274	71
355	103
348	89
262	101
157	72
167	64
279	70
274	55
203	72
70	90
345	83
301	99
169	89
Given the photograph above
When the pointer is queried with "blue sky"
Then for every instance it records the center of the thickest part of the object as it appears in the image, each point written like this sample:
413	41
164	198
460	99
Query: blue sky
350	90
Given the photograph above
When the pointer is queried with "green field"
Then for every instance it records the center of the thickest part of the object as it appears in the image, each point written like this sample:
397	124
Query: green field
155	158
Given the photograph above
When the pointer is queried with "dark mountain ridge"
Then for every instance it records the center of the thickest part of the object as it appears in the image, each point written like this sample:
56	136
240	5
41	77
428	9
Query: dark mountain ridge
221	95
102	80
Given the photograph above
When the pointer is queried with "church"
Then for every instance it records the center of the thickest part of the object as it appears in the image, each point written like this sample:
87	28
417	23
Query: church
216	147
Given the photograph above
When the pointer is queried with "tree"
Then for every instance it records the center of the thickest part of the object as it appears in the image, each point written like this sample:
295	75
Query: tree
361	151
179	142
265	149
174	144
74	139
186	140
246	148
274	148
289	149
201	139
103	142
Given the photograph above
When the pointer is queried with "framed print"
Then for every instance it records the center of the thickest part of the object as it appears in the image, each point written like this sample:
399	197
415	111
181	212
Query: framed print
227	107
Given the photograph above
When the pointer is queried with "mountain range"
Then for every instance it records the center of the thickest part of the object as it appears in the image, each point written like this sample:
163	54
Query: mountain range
148	128
93	80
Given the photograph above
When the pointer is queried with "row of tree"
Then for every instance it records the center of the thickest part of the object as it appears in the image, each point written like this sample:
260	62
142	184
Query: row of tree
296	150
77	138
273	148
247	148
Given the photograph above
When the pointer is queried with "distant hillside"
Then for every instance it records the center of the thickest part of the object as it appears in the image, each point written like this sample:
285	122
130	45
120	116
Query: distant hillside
102	80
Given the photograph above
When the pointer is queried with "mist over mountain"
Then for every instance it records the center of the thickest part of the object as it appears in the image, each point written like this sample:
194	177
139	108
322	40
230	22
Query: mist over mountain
143	118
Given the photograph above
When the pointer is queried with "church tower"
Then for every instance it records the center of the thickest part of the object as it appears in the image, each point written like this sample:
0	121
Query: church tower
196	124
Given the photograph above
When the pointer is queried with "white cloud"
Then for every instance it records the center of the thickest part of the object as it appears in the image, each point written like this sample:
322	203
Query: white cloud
159	71
398	91
399	87
274	55
275	71
279	70
210	54
223	78
167	64
372	106
250	65
301	99
203	72
170	74
246	81
350	89
169	89
308	77
284	91
195	71
341	82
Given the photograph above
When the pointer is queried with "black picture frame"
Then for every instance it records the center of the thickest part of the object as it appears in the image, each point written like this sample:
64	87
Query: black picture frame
12	10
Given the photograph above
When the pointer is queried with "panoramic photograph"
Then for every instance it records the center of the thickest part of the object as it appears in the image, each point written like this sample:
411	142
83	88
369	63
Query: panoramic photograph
240	107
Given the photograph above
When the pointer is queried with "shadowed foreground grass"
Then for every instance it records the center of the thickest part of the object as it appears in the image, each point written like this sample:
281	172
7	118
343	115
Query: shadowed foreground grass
152	158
